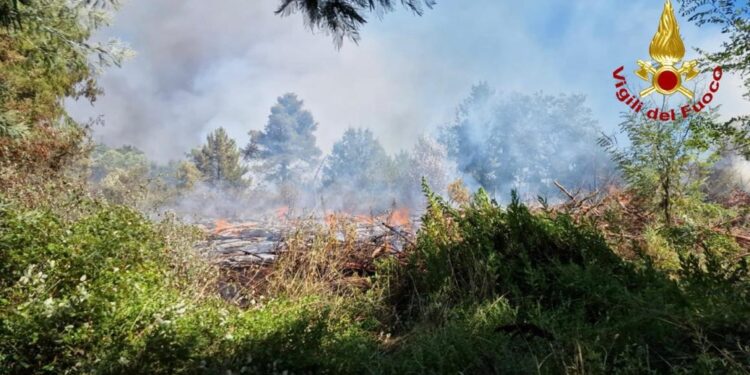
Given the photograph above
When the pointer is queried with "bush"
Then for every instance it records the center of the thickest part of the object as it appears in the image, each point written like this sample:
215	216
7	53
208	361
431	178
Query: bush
487	289
577	306
105	294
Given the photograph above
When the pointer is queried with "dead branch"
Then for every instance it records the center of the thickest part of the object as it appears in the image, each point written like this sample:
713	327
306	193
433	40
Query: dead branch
399	233
564	190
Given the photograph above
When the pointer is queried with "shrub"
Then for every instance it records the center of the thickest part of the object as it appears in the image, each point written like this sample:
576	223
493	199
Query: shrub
577	306
108	293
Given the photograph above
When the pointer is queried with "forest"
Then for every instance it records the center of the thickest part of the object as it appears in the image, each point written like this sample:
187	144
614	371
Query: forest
519	235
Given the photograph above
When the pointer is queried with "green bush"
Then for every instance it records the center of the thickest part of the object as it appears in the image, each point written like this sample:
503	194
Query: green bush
487	289
576	304
100	294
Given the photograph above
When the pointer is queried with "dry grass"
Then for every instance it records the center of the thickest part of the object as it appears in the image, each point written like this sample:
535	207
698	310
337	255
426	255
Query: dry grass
328	259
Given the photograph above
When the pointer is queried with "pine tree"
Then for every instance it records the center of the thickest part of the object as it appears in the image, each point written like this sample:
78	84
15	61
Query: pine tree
343	18
219	161
286	147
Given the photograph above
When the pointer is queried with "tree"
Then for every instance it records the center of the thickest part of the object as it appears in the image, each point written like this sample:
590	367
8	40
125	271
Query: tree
42	62
12	11
734	19
187	175
358	172
120	175
51	57
286	147
105	160
525	142
357	160
338	18
429	160
343	18
667	163
219	161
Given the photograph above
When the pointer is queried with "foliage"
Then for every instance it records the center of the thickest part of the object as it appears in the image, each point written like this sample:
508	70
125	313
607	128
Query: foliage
667	163
91	287
124	175
11	11
104	160
43	61
732	17
10	127
188	175
343	18
219	160
357	168
286	147
48	58
486	290
357	159
106	293
525	142
492	290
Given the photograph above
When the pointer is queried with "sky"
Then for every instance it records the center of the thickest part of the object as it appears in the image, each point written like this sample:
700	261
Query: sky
201	65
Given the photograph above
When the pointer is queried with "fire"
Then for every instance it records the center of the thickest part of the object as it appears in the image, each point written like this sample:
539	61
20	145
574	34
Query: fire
364	219
221	225
399	217
281	212
331	218
225	227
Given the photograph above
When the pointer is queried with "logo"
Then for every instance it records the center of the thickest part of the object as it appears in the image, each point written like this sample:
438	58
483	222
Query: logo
669	75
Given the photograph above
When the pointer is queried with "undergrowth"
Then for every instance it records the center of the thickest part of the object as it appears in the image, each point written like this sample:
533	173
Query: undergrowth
486	289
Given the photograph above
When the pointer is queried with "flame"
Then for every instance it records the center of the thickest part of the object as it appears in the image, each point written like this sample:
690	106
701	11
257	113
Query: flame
281	212
221	225
667	47
399	217
330	218
364	219
225	227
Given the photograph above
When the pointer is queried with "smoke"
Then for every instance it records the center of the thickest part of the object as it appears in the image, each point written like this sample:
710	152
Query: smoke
201	65
740	167
505	142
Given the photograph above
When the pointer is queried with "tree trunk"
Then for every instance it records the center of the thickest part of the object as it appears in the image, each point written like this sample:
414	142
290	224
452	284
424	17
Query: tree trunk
666	203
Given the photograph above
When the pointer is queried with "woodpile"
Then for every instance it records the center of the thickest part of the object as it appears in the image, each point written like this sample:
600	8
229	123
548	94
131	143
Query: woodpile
246	252
258	242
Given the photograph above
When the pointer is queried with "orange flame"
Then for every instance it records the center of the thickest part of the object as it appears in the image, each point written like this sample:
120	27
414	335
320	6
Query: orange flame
399	217
221	225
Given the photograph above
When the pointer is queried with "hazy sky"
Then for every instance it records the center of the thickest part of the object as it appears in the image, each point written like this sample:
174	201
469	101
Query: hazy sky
204	64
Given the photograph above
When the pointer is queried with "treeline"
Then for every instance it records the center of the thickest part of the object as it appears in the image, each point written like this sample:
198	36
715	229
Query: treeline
499	142
280	165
